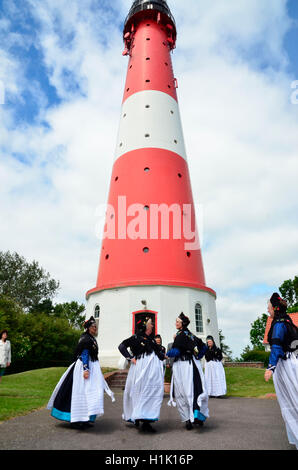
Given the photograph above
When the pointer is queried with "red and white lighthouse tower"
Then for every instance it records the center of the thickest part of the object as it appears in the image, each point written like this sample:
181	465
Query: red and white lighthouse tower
150	261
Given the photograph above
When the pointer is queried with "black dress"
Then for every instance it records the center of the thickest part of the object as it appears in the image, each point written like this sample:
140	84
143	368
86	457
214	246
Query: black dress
187	378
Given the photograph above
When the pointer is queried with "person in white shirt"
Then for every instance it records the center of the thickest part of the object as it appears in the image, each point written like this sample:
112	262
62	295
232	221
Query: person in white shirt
5	352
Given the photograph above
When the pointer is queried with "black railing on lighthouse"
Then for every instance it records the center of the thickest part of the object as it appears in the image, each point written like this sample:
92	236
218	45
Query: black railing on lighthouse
149	5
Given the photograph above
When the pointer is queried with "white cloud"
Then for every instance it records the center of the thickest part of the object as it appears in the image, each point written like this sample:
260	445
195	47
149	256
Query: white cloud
240	131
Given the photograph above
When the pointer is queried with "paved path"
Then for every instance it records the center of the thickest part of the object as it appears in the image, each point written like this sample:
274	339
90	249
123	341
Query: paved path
234	424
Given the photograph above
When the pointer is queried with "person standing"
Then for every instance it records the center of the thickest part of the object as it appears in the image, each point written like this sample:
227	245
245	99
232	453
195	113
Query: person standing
5	352
158	341
144	388
283	364
214	370
188	382
79	395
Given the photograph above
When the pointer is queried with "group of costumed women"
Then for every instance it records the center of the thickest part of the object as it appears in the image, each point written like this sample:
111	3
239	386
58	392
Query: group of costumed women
78	396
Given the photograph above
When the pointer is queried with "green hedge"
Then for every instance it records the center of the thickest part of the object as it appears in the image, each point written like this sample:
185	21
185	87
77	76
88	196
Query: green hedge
256	355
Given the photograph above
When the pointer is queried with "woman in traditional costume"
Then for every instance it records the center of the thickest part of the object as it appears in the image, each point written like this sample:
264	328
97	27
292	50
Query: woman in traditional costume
144	388
214	370
188	381
283	365
79	395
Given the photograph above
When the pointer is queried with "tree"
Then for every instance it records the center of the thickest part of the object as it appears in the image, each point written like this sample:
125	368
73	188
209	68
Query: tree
72	311
12	318
225	349
27	283
257	331
288	292
36	335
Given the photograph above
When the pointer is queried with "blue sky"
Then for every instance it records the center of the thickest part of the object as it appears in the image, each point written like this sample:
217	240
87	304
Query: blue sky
291	39
63	73
25	24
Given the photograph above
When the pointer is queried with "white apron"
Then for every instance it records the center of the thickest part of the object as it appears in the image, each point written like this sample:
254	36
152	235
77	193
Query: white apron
87	396
285	380
215	378
144	389
183	387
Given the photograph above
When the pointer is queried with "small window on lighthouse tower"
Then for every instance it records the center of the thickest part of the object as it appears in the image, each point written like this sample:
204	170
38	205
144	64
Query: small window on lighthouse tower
96	311
199	318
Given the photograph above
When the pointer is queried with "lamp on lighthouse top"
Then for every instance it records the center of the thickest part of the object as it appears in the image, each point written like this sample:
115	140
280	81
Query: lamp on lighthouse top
157	10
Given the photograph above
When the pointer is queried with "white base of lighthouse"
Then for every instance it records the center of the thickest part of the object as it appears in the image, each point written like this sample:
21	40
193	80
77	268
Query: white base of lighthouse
115	311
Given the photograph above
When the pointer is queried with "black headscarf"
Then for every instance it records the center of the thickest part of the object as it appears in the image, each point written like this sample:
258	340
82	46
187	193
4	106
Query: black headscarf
185	320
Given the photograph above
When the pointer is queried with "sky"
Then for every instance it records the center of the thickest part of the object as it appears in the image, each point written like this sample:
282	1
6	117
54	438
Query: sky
62	76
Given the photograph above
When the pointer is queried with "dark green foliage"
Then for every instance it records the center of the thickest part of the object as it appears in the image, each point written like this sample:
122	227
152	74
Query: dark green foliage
168	374
37	336
257	331
71	311
255	355
27	283
40	332
289	291
225	348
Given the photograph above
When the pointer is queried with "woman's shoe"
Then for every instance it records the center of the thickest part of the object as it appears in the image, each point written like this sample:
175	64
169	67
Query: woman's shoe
146	427
79	425
189	426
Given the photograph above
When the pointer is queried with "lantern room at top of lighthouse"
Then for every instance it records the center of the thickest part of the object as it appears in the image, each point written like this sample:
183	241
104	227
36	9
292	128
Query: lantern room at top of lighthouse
156	10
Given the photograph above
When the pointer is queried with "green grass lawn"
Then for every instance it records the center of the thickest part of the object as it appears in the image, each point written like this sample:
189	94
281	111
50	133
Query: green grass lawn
28	391
247	382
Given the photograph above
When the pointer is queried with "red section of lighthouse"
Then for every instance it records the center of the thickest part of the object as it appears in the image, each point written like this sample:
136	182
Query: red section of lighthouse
150	169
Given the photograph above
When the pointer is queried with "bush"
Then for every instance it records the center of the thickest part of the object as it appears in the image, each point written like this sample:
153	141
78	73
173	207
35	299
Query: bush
256	355
168	374
37	336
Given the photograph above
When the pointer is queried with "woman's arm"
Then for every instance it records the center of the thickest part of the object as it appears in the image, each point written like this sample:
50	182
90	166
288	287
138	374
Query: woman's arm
9	354
277	352
123	349
85	361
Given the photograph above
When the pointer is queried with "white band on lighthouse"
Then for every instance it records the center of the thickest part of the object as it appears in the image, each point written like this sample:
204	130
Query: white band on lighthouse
140	124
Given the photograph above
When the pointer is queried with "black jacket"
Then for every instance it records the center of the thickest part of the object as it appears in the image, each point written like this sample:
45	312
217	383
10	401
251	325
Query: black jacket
140	345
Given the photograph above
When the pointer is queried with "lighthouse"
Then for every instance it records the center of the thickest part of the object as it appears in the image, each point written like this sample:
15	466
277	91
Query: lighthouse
150	258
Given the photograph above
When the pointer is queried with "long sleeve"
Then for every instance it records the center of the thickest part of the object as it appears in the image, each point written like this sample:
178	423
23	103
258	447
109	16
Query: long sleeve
202	352
9	353
277	352
218	354
123	349
173	352
85	359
